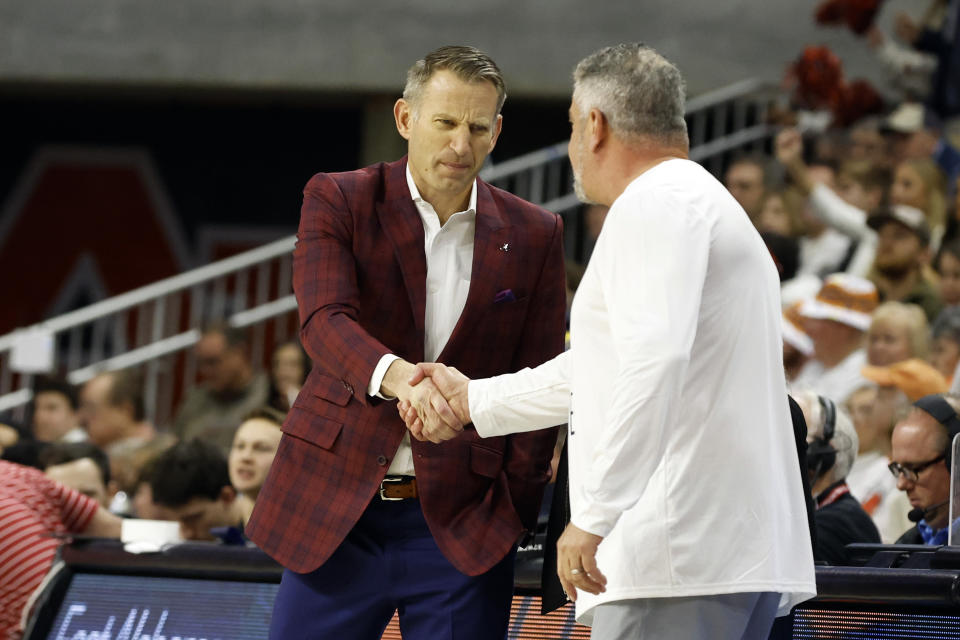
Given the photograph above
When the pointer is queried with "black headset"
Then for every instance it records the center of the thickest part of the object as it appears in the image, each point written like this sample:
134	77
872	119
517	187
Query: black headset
943	413
821	456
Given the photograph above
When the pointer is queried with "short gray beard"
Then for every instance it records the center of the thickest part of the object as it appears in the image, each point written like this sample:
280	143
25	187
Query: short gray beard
578	183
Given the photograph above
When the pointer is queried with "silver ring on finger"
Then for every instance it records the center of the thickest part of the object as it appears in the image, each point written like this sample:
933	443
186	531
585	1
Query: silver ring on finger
574	572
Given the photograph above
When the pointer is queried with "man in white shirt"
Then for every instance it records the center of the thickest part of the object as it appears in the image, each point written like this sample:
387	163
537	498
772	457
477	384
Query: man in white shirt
673	386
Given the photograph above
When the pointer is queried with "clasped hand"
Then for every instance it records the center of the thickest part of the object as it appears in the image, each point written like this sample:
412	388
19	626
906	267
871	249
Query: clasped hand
436	408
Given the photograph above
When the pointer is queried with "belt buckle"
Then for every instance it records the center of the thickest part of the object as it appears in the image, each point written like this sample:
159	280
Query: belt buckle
390	480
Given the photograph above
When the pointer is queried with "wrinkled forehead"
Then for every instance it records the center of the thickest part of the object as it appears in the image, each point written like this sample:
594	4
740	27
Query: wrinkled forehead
445	91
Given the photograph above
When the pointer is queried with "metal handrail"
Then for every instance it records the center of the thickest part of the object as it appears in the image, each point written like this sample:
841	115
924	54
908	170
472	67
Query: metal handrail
166	286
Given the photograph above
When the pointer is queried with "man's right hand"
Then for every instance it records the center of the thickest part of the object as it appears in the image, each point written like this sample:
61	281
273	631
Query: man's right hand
453	385
438	419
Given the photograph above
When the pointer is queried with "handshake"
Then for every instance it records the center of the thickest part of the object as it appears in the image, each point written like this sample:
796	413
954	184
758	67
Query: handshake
433	401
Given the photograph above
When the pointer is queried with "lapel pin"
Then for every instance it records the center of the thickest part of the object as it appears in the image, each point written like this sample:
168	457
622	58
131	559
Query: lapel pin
505	246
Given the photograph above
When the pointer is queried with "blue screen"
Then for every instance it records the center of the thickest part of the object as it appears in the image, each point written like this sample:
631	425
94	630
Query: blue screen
101	607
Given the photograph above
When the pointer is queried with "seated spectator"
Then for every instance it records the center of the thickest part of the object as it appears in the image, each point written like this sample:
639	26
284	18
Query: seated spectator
777	215
112	412
141	497
289	368
254	446
947	266
898	270
921	184
873	419
53	412
945	347
866	142
82	466
836	320
831	450
32	507
897	332
920	449
746	179
190	480
228	390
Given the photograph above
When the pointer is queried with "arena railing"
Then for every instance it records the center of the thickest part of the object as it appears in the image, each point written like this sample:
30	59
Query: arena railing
153	327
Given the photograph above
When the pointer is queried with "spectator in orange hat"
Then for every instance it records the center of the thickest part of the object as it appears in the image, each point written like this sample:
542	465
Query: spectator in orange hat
874	411
897	385
915	377
837	320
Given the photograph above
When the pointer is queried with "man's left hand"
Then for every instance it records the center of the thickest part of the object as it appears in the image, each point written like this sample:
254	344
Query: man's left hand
577	562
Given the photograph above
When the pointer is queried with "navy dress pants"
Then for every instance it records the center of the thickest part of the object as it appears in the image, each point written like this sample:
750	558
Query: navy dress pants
390	562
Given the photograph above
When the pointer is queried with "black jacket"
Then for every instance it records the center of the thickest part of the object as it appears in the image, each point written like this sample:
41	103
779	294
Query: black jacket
838	524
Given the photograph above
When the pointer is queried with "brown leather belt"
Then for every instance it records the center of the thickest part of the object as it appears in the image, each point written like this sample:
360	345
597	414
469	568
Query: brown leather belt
398	488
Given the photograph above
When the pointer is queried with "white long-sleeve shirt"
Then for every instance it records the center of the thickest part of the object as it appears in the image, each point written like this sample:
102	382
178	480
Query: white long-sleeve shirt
449	253
682	454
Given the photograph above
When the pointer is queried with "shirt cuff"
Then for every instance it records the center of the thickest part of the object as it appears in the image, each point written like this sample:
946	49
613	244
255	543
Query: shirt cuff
478	402
596	519
376	380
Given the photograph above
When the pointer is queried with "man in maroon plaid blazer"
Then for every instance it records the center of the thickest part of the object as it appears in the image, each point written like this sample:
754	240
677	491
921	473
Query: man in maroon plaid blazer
398	263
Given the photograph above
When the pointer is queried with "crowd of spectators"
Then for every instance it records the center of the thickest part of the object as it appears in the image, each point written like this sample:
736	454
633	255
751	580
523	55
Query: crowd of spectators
87	457
863	222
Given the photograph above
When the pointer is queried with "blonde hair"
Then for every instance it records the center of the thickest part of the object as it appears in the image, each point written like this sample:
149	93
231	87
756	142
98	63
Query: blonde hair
909	316
935	188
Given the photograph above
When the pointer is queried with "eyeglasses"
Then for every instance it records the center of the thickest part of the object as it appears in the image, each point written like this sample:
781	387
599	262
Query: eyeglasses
911	471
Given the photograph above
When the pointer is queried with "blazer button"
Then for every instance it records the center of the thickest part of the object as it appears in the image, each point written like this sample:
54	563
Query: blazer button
347	386
382	461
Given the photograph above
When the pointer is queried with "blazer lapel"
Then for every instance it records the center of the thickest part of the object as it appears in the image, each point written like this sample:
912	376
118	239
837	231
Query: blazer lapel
402	225
489	262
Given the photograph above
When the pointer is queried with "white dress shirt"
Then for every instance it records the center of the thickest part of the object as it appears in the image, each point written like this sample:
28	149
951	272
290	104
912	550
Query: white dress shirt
682	454
449	253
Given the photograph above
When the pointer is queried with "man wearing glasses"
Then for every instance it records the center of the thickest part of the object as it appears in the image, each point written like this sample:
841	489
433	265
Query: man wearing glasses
921	464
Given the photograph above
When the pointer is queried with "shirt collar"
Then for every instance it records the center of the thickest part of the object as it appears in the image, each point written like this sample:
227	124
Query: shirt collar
415	193
930	535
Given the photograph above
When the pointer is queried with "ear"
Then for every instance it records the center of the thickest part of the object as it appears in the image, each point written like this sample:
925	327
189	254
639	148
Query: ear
597	129
497	128
127	407
403	114
228	494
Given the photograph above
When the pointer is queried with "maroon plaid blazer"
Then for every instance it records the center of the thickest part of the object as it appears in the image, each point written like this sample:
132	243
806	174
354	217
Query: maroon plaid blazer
360	279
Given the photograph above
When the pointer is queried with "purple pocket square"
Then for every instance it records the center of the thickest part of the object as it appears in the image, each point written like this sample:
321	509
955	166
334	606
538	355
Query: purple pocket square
505	296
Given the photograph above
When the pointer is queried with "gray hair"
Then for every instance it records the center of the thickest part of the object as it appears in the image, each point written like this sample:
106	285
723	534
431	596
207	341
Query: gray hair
639	91
467	63
844	441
